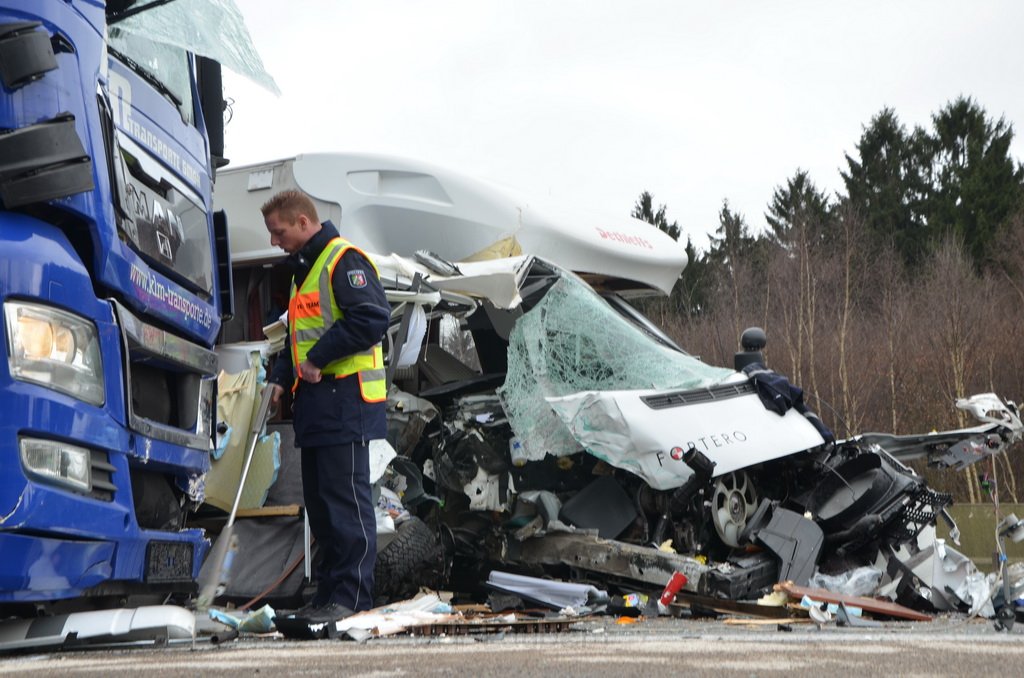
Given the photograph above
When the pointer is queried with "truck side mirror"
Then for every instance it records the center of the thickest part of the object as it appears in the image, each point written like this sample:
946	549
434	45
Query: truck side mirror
752	341
211	101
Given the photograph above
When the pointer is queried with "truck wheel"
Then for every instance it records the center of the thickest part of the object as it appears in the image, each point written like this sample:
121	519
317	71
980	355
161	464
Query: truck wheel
406	562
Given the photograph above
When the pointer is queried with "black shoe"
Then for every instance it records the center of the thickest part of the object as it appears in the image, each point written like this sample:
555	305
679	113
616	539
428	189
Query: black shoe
304	611
331	612
312	622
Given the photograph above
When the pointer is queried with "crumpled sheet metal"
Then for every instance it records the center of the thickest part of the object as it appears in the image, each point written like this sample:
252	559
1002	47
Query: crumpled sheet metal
948	579
619	428
408	416
547	508
959	448
615	558
496	280
381	454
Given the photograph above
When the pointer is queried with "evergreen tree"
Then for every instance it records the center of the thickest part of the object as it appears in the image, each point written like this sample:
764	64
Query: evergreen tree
692	294
886	186
644	209
732	239
975	185
798	212
737	259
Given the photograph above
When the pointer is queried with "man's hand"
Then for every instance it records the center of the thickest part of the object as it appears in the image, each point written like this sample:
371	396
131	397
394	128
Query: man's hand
309	372
276	391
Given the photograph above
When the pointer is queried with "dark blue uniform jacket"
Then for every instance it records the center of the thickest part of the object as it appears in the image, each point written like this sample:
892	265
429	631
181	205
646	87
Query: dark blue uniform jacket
333	412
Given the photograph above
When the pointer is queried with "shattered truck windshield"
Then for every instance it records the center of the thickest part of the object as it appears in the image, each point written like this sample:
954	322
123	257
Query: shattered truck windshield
210	28
166	67
165	218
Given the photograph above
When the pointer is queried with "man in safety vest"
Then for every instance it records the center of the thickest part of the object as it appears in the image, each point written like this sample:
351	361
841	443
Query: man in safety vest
337	316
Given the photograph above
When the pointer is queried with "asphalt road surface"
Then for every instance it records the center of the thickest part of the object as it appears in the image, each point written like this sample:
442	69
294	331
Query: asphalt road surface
655	647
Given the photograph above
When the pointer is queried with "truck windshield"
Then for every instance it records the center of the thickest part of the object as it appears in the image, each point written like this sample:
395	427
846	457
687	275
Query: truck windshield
164	66
167	224
211	28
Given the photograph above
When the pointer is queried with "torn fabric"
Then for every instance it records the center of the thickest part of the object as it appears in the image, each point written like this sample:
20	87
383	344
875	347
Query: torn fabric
237	403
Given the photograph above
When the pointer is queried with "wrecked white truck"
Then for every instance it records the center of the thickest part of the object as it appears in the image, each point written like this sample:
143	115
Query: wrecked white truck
542	424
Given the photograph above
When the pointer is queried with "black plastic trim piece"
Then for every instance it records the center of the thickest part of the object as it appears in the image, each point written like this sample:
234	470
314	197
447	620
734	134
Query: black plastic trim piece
211	101
225	276
696	396
25	53
43	162
102	475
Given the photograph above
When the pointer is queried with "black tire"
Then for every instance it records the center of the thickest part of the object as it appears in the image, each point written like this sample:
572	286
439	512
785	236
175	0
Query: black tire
409	561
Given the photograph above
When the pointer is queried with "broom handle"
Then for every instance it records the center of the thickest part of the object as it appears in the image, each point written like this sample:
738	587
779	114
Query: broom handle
262	414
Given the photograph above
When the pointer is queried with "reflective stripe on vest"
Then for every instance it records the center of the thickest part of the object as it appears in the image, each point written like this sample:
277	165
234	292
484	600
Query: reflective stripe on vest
309	319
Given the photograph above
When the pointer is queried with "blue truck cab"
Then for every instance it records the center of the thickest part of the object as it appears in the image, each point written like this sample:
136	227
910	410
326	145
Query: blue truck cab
114	280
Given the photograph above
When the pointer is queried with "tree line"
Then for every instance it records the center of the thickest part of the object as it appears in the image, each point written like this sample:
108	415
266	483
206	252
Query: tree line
887	301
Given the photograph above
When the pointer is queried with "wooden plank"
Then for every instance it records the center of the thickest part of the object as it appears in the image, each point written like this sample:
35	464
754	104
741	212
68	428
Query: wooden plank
723	606
735	621
483	626
269	511
873	605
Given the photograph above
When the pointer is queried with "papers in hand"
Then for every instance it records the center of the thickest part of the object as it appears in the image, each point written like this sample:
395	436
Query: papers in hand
276	333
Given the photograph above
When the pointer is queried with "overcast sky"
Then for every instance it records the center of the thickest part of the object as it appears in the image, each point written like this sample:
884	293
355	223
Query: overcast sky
591	102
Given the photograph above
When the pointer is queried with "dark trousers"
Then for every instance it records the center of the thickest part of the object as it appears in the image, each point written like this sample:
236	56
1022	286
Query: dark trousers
336	489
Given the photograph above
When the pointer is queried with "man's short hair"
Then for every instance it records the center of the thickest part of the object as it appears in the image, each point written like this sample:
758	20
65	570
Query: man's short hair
289	205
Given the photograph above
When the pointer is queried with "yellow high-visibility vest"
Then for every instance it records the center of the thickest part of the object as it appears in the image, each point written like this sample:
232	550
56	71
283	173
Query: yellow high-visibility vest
309	319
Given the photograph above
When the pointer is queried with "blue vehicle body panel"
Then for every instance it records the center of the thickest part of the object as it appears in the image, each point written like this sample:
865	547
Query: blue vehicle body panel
76	253
37	567
145	116
120	267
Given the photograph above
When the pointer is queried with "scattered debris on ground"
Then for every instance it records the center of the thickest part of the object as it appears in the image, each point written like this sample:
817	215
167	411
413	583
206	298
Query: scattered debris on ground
539	426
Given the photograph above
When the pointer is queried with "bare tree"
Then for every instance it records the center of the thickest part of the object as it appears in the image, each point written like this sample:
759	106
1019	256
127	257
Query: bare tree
953	302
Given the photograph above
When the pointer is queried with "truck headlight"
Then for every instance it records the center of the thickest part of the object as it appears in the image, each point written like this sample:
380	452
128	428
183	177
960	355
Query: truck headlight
56	462
54	348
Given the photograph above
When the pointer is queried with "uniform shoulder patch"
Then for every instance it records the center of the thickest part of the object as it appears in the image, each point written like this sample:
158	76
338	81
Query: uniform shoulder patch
357	278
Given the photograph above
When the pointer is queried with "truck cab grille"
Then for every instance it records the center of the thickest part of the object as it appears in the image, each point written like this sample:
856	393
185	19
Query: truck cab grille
102	472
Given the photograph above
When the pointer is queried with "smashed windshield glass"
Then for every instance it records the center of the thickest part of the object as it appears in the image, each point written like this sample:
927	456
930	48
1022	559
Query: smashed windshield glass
164	66
211	28
573	341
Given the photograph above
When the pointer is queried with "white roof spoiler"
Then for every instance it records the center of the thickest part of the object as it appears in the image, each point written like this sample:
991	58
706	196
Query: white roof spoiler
396	205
